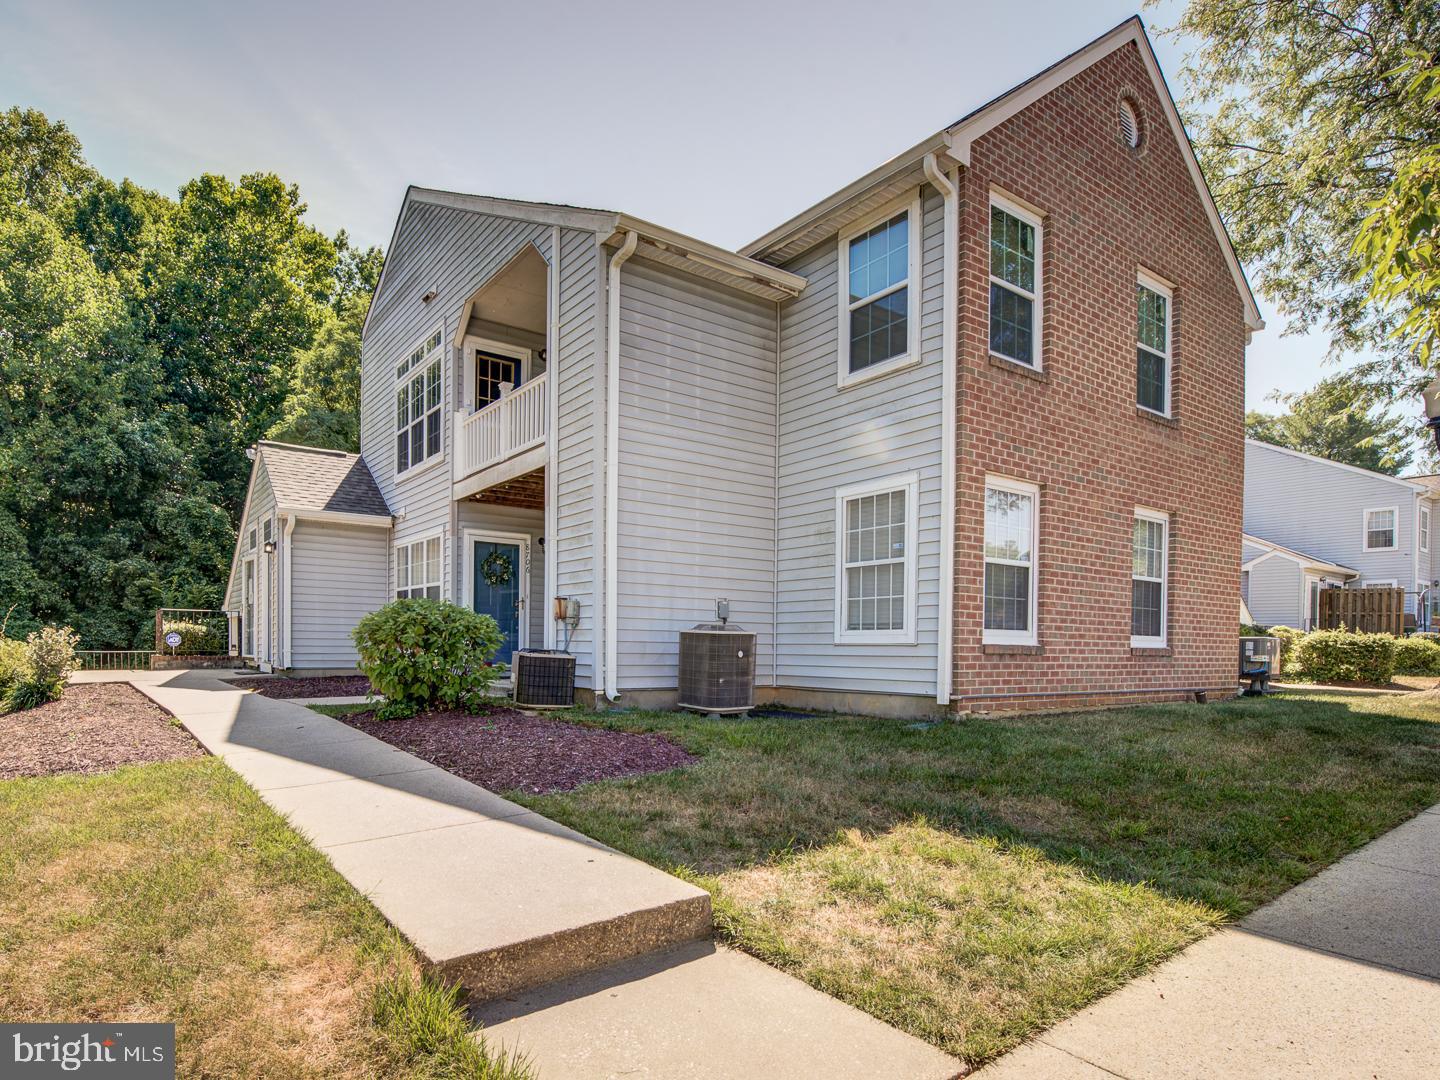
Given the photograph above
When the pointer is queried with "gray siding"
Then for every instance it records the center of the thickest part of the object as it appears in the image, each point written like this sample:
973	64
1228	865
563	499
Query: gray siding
1318	508
340	574
1275	592
696	467
506	519
832	438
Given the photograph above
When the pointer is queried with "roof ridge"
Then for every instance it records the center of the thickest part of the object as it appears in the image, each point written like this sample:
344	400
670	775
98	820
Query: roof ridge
307	449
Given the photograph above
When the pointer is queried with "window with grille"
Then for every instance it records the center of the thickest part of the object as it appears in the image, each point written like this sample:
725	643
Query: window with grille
1425	529
876	586
877	264
1149	560
1380	529
1011	522
419	394
493	373
1015	268
417	569
1152	352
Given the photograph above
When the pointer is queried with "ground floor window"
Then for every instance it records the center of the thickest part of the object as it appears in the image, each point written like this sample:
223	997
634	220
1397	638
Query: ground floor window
875	527
417	569
1149	556
1011	530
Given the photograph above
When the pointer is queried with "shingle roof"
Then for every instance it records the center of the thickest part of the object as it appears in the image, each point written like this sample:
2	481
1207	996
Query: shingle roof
308	478
1299	556
1431	481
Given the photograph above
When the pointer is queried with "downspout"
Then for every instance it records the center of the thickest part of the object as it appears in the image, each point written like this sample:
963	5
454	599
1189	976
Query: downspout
285	593
551	552
945	645
612	462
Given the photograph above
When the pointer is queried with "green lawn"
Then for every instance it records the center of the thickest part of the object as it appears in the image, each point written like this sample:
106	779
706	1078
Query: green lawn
975	882
170	892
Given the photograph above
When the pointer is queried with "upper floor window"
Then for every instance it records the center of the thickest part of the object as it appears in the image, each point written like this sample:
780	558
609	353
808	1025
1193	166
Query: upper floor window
876	525
1425	529
879	304
1015	268
417	569
1380	531
419	392
1011	529
1152	352
1149	559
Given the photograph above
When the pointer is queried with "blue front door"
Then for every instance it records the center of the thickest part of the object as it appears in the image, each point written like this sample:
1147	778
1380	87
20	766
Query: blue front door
496	572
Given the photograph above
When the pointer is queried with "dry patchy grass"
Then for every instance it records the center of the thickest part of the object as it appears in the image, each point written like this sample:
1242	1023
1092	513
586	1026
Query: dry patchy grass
169	892
976	882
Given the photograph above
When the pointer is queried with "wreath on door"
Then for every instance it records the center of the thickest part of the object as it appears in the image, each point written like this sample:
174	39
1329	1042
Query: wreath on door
497	569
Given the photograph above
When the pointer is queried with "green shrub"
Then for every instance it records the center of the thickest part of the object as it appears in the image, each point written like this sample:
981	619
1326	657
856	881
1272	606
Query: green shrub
1417	655
196	639
1288	636
428	654
14	664
28	694
1342	656
1251	630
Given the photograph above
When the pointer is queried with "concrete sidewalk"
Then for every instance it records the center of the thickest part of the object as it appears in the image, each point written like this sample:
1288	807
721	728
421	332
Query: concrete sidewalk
601	959
1340	977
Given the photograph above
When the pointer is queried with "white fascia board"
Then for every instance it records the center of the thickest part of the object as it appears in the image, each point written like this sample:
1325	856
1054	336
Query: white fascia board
337	517
708	255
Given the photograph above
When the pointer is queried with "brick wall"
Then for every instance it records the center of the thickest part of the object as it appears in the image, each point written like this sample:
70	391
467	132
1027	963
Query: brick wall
1074	428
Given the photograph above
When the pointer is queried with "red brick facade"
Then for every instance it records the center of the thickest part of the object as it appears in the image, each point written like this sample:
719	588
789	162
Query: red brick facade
1074	429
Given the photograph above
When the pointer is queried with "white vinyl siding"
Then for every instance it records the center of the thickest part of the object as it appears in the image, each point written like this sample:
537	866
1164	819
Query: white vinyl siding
1275	593
1153	300
696	470
340	573
1149	580
1016	267
875	528
1012	534
879	262
831	439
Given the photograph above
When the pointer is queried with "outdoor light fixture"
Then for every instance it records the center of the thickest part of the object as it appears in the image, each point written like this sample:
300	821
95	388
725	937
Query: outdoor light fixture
269	547
429	296
1431	394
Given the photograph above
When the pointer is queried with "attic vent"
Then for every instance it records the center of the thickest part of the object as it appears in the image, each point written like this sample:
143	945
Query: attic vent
1129	124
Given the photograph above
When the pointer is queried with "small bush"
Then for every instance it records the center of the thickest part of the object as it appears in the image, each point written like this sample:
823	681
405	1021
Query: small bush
14	664
1341	656
1417	655
29	694
1251	630
196	639
1288	636
52	656
428	654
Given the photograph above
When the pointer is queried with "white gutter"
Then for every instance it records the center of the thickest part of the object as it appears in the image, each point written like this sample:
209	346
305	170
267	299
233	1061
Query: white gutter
612	462
945	645
552	466
285	596
340	517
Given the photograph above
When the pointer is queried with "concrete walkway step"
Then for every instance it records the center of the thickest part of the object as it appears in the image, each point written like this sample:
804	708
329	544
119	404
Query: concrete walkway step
491	894
699	1010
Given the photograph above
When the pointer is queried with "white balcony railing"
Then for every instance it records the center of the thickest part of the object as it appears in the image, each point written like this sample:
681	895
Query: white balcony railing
519	421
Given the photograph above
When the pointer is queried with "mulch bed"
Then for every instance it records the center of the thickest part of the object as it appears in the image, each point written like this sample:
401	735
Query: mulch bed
327	686
507	750
93	728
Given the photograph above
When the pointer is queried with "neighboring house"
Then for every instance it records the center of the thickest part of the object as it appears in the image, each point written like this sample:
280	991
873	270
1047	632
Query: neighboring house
967	433
1312	523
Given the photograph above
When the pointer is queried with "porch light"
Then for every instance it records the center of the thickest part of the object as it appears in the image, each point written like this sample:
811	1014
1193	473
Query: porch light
269	547
1431	394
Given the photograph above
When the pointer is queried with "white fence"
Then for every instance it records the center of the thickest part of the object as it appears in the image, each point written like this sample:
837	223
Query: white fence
517	422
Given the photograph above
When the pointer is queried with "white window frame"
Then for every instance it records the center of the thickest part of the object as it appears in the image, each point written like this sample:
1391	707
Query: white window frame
1013	637
473	344
1139	642
1033	218
410	542
844	377
910	484
1423	529
1394	528
409	377
1159	285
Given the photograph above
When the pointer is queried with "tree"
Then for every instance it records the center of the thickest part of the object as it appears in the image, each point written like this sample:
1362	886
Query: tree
1332	420
324	405
1304	119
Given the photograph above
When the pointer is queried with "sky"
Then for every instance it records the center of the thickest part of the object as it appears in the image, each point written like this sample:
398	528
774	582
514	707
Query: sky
718	119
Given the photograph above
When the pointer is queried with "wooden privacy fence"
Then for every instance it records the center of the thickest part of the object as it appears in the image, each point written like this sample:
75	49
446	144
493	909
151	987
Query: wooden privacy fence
1370	610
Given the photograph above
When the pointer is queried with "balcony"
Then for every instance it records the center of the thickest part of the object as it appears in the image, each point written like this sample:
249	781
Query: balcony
505	439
